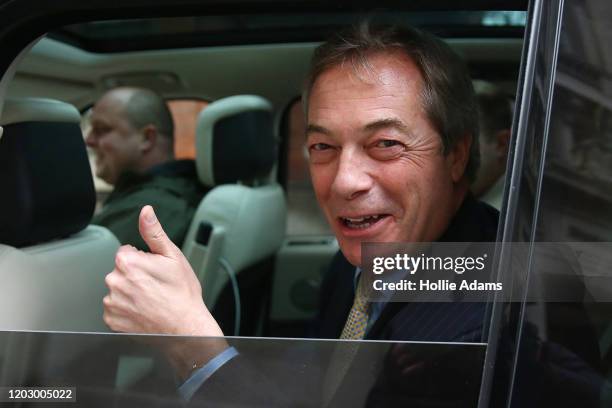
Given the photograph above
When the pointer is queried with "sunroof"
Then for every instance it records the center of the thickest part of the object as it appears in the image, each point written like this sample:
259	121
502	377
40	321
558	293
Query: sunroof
180	32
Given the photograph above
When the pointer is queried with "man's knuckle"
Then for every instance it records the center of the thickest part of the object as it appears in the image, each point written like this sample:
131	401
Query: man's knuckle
107	302
123	255
109	280
121	260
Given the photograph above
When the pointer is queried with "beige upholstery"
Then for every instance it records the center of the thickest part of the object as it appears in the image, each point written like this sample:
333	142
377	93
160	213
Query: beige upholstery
56	283
235	226
248	226
207	119
19	110
57	286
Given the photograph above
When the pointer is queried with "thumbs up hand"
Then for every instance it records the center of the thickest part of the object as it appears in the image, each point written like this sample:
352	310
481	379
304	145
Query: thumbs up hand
156	292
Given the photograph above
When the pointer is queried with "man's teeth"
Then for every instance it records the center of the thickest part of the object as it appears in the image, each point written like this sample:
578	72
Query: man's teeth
361	222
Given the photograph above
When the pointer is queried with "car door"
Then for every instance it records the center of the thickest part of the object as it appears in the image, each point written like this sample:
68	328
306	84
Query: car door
552	339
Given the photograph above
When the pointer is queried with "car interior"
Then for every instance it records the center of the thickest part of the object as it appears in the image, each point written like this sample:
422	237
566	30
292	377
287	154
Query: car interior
258	85
258	242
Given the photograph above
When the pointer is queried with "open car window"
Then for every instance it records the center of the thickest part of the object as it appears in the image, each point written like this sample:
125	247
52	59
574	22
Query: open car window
548	343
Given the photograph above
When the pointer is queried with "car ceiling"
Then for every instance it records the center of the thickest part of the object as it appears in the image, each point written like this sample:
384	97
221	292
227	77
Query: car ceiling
61	71
199	58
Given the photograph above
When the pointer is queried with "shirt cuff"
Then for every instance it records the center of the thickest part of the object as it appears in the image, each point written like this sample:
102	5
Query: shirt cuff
199	377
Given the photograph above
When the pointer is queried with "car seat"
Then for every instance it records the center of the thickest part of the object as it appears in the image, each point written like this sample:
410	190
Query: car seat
52	263
240	223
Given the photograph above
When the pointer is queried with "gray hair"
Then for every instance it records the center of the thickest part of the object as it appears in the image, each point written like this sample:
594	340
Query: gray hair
447	93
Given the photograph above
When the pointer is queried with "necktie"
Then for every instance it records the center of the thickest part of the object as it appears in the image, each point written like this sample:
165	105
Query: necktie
357	321
344	352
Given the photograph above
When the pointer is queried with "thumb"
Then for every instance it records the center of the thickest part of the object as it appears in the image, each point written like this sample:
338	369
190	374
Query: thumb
153	234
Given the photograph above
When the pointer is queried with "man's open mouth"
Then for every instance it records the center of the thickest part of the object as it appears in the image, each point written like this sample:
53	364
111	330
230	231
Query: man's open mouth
362	222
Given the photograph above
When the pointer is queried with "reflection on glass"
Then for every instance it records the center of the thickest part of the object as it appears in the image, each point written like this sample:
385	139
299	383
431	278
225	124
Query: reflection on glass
122	370
565	348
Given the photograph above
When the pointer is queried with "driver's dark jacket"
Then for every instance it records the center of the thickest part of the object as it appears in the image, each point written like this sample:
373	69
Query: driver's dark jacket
172	188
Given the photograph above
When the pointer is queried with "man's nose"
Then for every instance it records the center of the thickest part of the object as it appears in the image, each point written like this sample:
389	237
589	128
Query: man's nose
90	140
352	177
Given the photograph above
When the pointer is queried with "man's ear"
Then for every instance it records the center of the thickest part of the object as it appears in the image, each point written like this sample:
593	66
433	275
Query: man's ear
458	157
149	138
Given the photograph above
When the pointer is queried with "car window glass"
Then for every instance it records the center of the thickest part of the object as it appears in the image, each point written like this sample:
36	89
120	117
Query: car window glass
565	324
132	371
185	114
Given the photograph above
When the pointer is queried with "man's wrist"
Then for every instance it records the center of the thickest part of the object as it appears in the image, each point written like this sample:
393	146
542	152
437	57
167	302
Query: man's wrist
188	354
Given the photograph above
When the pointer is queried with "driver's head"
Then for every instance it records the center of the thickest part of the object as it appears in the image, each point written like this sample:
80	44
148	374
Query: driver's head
392	132
131	130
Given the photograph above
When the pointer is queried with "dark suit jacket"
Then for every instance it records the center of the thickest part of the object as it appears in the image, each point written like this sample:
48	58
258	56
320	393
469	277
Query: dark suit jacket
474	222
372	368
428	374
455	370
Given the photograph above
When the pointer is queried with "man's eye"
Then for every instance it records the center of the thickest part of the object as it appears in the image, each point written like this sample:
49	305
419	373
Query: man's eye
320	153
386	149
98	130
387	143
319	147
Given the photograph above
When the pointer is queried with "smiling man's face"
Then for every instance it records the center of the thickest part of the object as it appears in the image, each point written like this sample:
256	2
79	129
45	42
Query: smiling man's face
377	163
116	143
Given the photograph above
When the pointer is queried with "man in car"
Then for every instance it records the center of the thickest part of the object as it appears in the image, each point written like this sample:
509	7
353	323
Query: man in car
495	113
132	138
392	137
